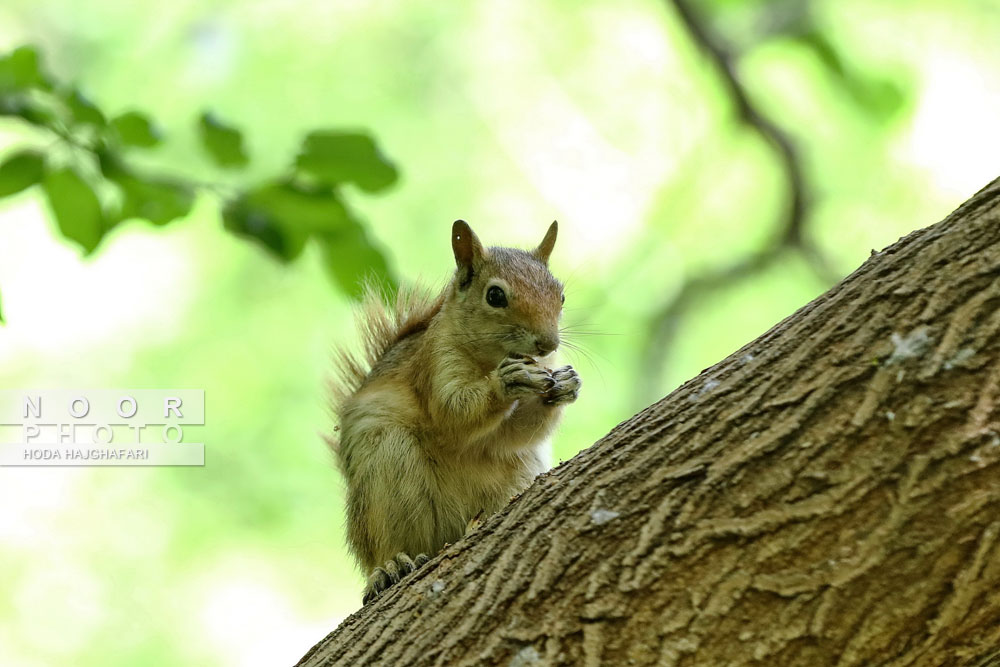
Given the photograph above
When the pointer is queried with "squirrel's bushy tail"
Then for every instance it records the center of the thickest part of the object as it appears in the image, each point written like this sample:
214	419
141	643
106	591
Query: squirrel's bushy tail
381	321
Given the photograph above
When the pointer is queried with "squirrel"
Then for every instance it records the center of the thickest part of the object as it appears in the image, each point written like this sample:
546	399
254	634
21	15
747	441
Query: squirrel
445	416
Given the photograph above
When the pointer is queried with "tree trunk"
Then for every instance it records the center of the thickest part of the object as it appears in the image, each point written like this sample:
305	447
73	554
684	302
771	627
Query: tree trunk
827	495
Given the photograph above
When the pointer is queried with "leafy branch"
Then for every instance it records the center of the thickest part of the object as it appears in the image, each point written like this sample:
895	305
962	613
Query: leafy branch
81	162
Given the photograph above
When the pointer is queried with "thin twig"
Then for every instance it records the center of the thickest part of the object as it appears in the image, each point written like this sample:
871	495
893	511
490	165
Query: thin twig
789	234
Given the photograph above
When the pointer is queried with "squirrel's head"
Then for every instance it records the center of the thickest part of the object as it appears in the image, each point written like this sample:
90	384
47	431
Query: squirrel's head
508	300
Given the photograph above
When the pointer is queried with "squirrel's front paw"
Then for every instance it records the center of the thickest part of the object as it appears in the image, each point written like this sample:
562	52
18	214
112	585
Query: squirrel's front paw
566	387
521	376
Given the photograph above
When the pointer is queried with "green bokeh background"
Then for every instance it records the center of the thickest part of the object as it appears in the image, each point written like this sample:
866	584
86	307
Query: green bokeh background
601	114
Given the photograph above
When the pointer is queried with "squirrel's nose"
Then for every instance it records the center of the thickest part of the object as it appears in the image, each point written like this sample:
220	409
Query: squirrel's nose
546	344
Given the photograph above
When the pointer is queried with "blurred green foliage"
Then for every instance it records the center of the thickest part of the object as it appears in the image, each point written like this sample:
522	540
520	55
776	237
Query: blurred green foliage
223	143
604	115
91	187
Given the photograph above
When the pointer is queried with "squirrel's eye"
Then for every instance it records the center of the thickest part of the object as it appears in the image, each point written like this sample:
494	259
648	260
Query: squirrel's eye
495	297
562	298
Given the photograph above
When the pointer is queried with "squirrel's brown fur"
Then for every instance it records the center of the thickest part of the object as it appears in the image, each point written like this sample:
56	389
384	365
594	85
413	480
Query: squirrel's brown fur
381	322
444	416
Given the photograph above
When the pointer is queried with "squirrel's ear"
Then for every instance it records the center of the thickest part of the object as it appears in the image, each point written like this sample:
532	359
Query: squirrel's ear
467	249
544	248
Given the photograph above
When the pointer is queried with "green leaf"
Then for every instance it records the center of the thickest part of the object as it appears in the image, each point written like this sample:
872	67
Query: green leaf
346	157
256	224
21	70
30	110
1	312
352	259
156	200
84	111
283	215
75	207
136	129
879	97
21	170
223	143
311	210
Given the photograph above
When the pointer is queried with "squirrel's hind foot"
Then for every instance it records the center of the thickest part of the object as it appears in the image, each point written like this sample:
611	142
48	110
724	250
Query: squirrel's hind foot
383	577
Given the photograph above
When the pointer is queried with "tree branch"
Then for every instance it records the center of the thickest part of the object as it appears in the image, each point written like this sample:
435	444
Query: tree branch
828	495
790	234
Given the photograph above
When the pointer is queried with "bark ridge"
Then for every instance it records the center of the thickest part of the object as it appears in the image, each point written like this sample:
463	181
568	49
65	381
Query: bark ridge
827	495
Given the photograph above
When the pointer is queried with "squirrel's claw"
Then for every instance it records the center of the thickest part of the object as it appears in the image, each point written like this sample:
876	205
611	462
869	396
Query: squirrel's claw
391	573
475	522
378	582
566	387
522	375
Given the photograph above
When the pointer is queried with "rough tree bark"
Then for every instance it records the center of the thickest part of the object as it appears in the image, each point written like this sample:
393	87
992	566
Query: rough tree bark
827	495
